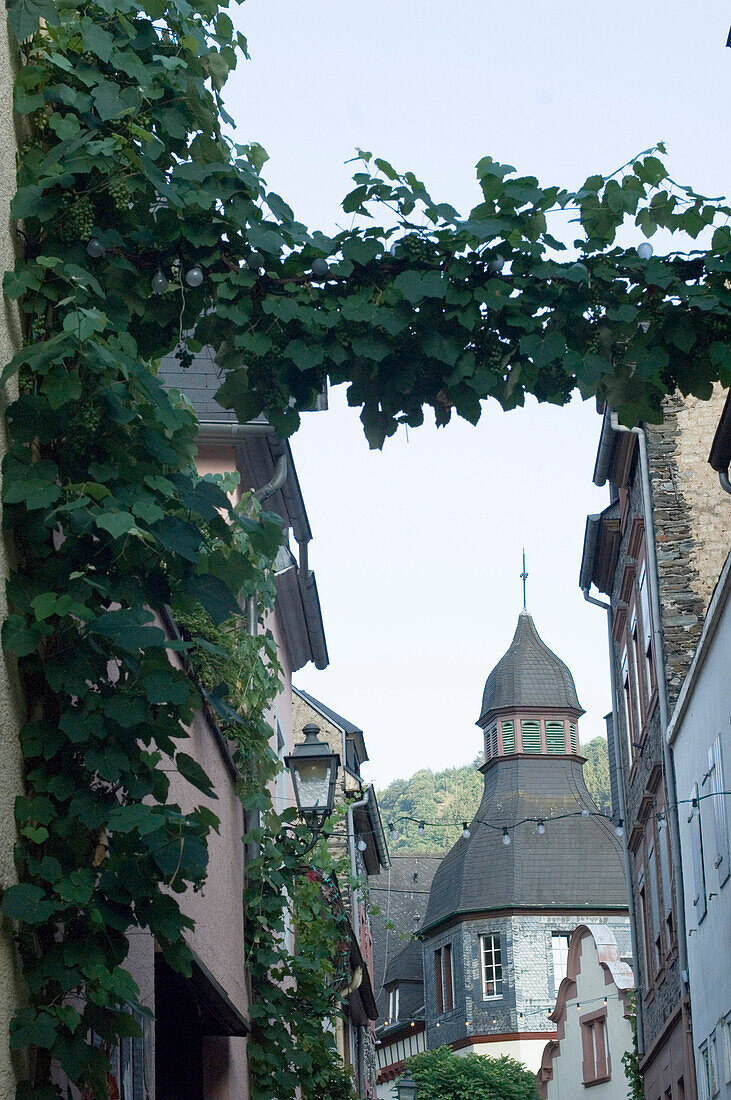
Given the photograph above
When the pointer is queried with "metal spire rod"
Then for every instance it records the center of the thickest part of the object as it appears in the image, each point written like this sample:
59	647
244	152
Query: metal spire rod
524	578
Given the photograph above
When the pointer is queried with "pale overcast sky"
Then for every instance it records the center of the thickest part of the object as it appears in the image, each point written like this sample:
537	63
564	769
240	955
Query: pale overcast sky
417	549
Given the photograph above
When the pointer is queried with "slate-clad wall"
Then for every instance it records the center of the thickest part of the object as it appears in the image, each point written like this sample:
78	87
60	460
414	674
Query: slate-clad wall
527	961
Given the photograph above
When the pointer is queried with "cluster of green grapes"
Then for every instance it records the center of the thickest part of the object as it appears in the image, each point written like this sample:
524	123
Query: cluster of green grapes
415	249
495	354
77	222
80	431
121	195
593	344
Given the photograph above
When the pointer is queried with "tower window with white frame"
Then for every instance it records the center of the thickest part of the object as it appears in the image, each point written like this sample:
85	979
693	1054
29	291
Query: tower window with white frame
491	966
560	952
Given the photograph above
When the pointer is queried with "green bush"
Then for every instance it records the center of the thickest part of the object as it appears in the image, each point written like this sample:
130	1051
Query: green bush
443	1075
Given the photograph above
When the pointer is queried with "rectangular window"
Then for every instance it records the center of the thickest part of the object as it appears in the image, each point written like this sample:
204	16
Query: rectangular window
438	980
713	1064
656	947
642	916
627	713
663	847
720	811
595	1064
447	983
705	1072
508	737
493	741
492	968
699	871
555	737
635	672
560	949
642	585
443	979
393	1004
530	735
573	737
727	1049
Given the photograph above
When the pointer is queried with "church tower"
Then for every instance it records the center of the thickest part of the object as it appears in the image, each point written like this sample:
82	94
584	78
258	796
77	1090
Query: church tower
539	860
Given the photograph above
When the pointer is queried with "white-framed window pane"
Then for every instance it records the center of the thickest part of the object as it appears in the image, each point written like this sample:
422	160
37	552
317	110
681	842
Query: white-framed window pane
560	951
492	968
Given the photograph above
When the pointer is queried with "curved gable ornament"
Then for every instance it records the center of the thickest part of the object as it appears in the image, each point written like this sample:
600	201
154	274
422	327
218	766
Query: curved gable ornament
616	972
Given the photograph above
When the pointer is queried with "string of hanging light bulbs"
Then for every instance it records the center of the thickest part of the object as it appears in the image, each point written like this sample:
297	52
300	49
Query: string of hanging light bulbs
540	822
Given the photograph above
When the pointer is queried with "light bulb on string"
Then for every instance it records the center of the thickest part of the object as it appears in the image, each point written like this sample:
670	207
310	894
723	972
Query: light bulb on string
159	282
362	845
645	250
497	263
506	836
584	812
95	248
619	828
465	831
194	275
540	828
422	828
393	831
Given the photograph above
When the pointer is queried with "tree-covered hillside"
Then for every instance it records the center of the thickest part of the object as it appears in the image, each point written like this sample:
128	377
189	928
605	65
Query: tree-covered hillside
453	795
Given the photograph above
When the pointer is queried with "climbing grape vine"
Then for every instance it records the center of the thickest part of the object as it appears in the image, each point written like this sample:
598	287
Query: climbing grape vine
143	231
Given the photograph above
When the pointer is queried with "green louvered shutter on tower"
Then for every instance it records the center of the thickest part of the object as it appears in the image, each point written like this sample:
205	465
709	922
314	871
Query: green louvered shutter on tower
494	740
574	739
490	742
530	733
555	737
508	736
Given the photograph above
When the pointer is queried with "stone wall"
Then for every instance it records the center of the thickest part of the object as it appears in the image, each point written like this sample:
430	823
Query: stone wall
10	701
692	520
527	963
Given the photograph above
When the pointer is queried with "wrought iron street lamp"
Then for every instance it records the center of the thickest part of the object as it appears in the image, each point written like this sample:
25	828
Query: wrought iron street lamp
314	770
407	1088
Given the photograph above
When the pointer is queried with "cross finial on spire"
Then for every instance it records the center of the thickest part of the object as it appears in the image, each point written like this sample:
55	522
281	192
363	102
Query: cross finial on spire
524	578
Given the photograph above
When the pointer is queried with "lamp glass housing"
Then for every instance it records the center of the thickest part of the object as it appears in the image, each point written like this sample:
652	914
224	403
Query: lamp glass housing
314	771
407	1088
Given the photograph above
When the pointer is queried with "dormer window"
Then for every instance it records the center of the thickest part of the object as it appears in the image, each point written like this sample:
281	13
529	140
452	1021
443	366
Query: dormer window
352	762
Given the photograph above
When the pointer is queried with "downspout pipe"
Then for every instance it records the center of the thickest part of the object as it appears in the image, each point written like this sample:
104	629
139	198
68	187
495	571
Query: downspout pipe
657	641
275	483
352	806
639	1019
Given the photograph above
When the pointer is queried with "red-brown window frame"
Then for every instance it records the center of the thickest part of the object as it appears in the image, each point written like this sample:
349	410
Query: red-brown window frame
597	1064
